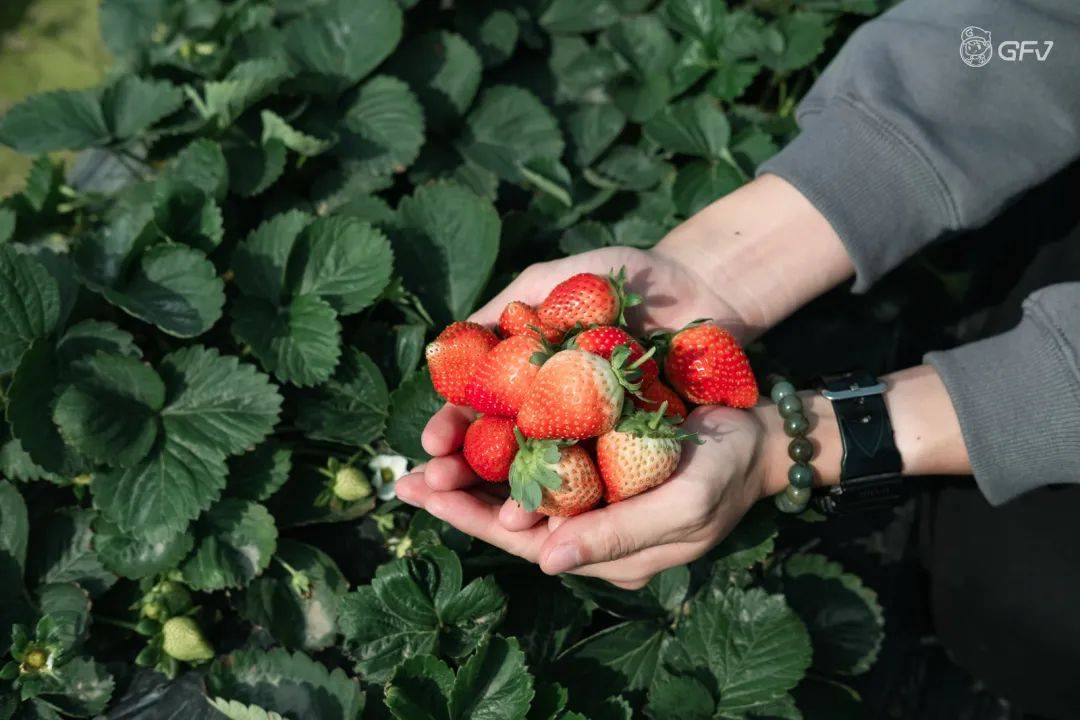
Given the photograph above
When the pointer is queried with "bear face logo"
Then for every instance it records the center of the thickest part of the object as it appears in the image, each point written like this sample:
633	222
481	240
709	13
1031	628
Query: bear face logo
975	46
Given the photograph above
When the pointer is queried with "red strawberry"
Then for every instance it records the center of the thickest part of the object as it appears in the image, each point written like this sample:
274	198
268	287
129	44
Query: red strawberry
640	453
554	478
706	366
656	392
452	357
501	381
603	340
490	447
519	318
575	395
586	299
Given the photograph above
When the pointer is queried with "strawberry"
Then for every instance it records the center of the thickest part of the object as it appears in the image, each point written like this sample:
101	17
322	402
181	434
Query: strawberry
705	364
502	378
656	392
490	447
640	453
452	357
576	395
519	318
587	299
554	478
603	339
183	640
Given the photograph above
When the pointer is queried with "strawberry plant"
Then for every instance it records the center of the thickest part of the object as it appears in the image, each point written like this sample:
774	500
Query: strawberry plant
212	333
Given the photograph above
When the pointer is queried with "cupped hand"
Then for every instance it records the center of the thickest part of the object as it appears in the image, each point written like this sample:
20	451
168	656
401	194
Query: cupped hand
625	543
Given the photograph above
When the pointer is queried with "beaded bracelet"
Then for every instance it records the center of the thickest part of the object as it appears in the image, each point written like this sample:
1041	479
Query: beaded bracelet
796	495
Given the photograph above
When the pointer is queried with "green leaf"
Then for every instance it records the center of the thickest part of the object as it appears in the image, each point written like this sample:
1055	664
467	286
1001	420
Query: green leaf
697	18
507	129
495	35
411	406
13	519
82	689
254	167
384	128
804	34
414	605
299	613
449	238
344	261
175	288
695	126
68	607
628	167
662	597
217	402
43	184
682	697
641	99
752	645
59	120
702	182
445	72
258	474
244	86
90	337
202	165
139	556
29	305
593	127
843	616
109	412
644	42
584	237
420	689
299	343
292	685
302	500
732	79
68	554
628	653
261	261
493	684
7	224
126	24
571	16
184	213
750	542
239	711
338	42
549	702
351	408
275	128
234	542
131	105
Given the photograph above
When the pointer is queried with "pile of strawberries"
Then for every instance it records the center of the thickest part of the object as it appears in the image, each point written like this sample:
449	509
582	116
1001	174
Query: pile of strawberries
571	406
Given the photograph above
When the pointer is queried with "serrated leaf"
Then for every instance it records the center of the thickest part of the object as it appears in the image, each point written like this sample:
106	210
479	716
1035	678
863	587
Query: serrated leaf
261	261
680	696
571	16
702	182
342	260
299	343
29	305
732	79
697	18
131	104
299	614
660	598
384	128
338	42
750	542
109	412
90	337
234	542
641	99
644	42
67	606
125	24
420	689
276	129
67	553
584	237
752	645
411	405
351	408
13	519
444	70
446	247
254	167
804	34
235	710
42	184
842	615
59	120
494	36
493	684
245	85
549	702
628	653
139	556
258	474
629	167
185	213
173	287
593	127
82	689
695	126
293	684
202	165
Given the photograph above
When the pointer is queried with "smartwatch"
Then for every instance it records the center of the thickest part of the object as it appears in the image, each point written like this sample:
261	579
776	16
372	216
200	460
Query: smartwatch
870	469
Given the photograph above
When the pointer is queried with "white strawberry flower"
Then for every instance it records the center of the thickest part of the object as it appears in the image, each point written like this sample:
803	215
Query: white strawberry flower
386	470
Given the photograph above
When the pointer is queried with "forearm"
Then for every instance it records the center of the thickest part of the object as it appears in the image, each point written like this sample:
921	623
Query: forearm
925	428
765	247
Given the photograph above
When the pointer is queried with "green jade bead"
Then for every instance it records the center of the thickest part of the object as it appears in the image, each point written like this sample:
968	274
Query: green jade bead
800	450
793	500
800	476
781	390
789	405
796	425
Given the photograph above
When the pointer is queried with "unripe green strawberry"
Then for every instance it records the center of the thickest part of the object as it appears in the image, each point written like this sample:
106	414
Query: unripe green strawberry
184	641
350	484
166	599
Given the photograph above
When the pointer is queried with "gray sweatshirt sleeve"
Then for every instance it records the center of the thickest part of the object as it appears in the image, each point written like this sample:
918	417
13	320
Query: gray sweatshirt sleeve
909	136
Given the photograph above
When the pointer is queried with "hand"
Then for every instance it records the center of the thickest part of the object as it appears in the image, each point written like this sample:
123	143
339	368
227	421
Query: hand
625	543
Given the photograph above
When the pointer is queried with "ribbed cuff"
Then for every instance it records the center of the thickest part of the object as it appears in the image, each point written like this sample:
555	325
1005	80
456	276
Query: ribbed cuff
873	185
1017	397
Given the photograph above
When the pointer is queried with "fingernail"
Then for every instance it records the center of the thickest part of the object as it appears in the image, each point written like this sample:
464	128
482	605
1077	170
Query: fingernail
563	558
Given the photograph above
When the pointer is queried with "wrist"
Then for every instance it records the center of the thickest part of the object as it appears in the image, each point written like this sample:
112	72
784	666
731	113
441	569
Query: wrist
824	435
765	246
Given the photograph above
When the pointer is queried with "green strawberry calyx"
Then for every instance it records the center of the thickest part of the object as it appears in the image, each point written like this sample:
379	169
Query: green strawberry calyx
655	425
533	470
625	299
